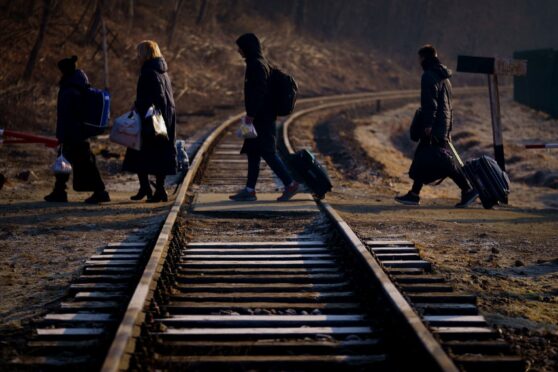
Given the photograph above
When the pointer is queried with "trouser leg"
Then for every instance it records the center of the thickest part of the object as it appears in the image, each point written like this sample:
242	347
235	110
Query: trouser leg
417	187
60	183
278	167
253	170
160	182
96	175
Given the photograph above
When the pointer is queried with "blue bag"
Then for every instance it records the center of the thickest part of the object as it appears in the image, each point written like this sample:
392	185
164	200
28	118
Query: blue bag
96	111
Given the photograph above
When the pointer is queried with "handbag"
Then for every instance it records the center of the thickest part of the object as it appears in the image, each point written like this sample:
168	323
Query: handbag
126	130
155	123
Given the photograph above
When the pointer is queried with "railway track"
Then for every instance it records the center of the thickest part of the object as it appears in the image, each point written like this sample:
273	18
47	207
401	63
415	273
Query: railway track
265	288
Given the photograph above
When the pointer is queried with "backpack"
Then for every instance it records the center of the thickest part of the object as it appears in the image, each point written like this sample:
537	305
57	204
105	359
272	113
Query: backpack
284	90
96	111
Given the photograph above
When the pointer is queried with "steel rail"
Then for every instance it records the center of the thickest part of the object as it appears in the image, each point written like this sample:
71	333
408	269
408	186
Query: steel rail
404	310
124	341
123	344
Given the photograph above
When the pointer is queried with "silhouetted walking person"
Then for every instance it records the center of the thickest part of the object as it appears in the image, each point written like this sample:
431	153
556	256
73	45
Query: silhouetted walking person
262	112
73	141
433	160
157	155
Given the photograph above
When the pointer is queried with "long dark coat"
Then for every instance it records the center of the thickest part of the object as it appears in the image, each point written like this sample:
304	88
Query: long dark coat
433	159
436	99
73	143
258	98
69	107
157	156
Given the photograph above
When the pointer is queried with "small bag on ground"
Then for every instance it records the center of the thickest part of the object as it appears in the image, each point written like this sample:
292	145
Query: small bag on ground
312	172
182	160
126	130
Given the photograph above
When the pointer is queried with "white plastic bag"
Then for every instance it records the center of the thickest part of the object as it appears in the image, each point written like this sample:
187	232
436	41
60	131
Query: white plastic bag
246	130
61	165
159	126
126	130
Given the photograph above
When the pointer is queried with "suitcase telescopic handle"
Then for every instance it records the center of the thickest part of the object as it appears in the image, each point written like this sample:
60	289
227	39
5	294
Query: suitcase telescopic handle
454	151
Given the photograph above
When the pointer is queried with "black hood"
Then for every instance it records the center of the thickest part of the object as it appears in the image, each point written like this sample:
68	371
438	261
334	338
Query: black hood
434	64
250	45
77	79
156	64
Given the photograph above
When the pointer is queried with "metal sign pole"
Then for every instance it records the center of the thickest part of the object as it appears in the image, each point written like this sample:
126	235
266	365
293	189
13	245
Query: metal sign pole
496	120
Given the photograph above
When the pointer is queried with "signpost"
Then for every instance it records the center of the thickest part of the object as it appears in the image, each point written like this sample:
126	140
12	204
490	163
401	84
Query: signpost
493	67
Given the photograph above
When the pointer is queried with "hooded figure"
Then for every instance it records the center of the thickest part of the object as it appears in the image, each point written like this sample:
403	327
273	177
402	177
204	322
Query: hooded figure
157	155
433	160
73	143
257	96
68	123
435	98
261	111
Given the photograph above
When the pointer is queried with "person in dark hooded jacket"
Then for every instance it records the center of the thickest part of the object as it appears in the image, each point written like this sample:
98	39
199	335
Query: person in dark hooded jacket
73	143
262	113
433	160
157	155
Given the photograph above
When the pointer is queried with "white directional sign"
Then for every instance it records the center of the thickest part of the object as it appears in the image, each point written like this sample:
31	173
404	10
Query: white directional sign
508	66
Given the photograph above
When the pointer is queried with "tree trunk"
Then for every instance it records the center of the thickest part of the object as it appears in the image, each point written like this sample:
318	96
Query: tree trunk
95	22
31	62
31	8
201	13
130	14
105	52
174	21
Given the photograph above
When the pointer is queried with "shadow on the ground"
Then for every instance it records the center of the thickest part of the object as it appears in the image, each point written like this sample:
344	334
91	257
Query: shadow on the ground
478	215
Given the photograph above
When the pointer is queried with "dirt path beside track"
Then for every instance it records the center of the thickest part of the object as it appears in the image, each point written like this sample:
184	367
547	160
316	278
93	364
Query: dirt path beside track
507	256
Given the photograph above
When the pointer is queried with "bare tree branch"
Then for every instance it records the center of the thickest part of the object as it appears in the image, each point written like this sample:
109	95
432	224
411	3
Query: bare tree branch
174	21
32	61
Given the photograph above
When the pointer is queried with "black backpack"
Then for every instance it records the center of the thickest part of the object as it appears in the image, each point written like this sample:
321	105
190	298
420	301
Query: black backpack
284	90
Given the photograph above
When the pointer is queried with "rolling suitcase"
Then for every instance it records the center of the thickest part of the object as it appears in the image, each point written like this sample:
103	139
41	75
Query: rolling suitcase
312	173
486	177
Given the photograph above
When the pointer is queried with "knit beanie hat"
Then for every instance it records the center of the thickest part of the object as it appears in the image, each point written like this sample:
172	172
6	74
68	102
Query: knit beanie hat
68	65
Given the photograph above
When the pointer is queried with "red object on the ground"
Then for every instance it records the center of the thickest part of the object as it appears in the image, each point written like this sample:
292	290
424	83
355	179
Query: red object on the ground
13	137
542	146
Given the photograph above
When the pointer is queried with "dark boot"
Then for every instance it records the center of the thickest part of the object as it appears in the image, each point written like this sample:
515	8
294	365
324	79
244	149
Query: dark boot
144	190
408	199
467	198
142	193
160	194
58	194
98	197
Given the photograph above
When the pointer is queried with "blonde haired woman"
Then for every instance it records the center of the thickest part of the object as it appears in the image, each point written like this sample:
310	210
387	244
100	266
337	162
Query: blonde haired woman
157	155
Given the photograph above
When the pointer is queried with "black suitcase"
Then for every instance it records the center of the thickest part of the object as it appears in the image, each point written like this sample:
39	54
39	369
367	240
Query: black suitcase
486	177
311	172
